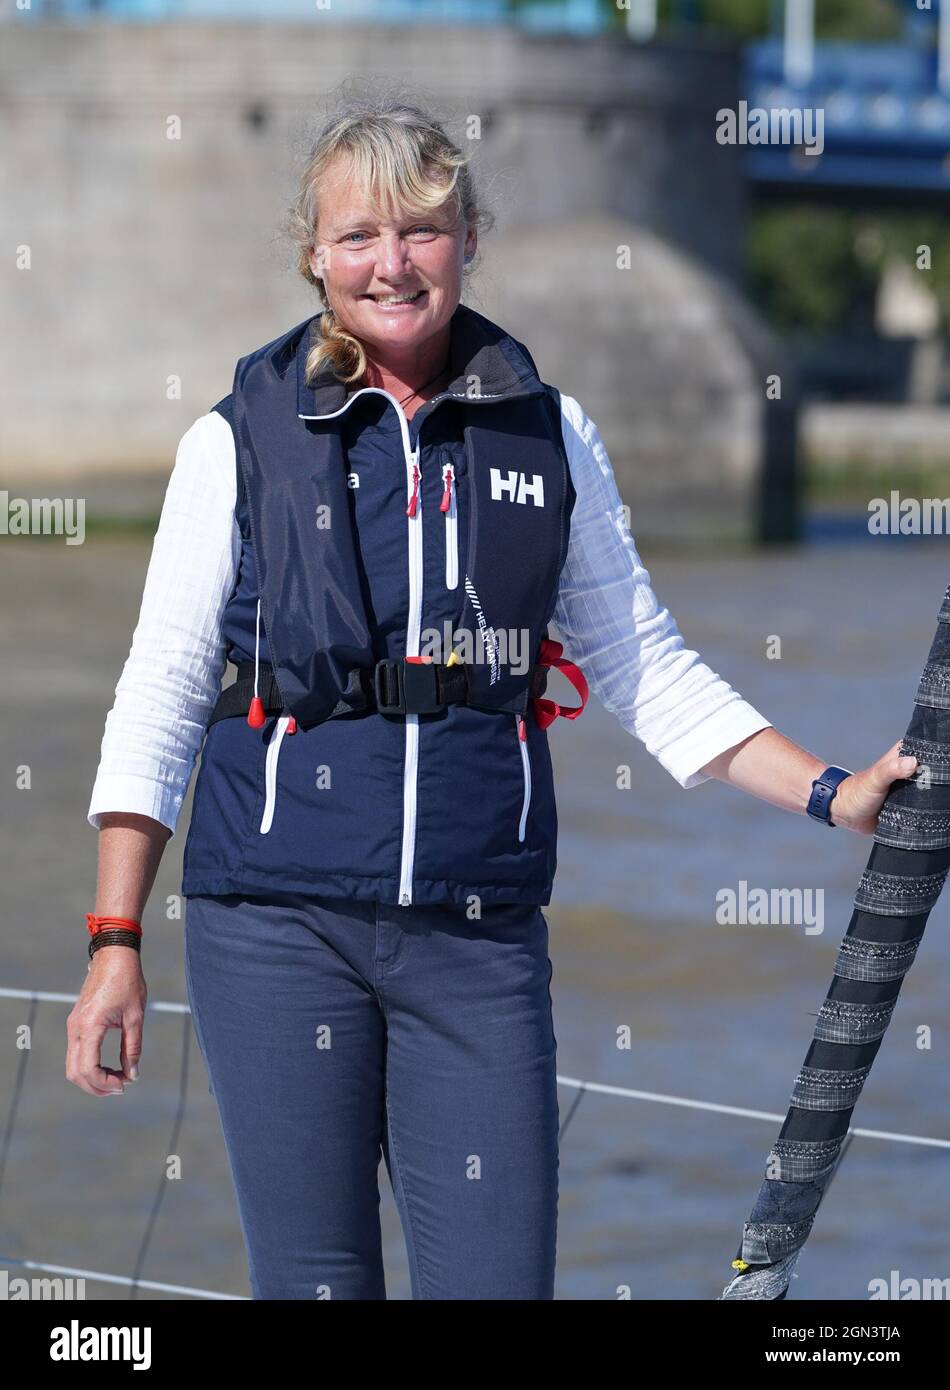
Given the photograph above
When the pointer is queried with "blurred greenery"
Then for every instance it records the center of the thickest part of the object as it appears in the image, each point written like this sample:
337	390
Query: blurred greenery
851	483
834	19
803	268
143	523
816	268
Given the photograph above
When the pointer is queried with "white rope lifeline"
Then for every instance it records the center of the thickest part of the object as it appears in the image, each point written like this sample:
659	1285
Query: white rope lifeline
658	1097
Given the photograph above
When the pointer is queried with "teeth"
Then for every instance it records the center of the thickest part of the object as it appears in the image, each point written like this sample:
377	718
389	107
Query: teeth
396	298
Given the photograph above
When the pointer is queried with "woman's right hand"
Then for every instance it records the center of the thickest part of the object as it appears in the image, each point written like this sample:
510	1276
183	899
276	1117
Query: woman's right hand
114	993
113	996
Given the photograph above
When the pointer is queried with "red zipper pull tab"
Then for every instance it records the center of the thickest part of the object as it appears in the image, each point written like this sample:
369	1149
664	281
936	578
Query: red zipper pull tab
522	731
411	509
447	476
291	725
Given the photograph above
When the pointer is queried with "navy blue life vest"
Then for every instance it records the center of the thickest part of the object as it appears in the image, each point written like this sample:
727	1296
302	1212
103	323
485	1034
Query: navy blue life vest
336	577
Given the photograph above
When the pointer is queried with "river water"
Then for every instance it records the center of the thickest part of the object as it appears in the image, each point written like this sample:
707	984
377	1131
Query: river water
653	1195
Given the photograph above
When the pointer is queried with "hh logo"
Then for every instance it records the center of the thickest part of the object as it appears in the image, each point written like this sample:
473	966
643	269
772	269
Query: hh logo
514	487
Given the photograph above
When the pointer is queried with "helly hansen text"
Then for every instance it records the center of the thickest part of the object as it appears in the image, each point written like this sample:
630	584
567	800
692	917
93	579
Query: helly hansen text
512	486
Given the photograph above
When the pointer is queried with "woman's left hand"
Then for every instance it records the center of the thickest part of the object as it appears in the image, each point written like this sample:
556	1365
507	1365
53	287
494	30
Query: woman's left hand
857	803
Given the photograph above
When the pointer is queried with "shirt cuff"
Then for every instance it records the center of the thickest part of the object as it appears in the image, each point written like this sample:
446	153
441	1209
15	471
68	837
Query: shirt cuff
723	729
116	791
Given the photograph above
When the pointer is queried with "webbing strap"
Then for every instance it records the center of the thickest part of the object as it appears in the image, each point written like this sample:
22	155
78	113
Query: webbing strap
450	682
434	686
237	698
546	711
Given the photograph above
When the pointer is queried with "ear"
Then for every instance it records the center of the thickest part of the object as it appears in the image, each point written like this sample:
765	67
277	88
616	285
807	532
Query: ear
318	259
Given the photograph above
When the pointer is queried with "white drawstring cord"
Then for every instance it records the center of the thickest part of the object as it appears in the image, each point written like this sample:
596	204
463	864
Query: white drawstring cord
256	714
257	644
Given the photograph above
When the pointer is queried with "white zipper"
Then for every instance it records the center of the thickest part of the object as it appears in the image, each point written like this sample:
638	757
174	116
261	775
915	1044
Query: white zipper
270	772
410	775
451	528
413	634
526	769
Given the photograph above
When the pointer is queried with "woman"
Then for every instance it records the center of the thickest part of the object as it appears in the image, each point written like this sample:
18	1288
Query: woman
374	828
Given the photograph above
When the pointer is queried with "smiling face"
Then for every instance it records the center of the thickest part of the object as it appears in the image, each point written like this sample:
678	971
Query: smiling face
364	261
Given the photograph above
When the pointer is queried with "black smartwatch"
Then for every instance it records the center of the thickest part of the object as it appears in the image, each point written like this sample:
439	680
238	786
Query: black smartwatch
823	791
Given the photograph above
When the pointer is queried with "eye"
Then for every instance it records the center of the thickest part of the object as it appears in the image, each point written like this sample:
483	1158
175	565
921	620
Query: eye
353	234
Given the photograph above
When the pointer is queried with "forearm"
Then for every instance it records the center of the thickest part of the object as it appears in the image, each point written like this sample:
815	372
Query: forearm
130	850
770	766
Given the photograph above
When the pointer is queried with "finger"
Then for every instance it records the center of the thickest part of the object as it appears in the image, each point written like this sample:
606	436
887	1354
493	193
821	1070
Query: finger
906	764
894	764
74	1028
131	1049
92	1077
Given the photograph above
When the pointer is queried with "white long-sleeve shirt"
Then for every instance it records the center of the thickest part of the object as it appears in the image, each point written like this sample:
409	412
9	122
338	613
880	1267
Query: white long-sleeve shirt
607	616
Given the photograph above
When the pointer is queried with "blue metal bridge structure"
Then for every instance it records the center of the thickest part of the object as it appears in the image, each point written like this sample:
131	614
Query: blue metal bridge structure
885	122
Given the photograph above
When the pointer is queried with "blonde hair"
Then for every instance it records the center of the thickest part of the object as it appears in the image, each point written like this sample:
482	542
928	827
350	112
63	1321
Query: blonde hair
400	159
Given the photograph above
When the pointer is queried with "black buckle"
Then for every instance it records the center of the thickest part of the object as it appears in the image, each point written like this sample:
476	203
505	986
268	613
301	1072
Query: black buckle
413	683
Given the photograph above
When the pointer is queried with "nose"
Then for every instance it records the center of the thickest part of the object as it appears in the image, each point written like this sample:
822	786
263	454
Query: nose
393	257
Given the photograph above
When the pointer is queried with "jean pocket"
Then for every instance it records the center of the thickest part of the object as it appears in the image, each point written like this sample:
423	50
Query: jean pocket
188	934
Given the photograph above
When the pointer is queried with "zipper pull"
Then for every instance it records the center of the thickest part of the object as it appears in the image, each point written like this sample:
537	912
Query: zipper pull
291	725
447	476
414	499
522	731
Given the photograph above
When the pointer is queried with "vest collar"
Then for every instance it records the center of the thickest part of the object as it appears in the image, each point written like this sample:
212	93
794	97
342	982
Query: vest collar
478	349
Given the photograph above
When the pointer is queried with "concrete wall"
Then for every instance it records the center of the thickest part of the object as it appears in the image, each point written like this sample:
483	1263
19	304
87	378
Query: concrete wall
898	437
156	262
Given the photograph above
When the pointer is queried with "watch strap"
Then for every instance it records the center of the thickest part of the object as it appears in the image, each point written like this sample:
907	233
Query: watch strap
823	791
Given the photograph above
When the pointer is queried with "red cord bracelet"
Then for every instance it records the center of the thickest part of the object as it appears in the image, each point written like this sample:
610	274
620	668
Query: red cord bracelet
97	924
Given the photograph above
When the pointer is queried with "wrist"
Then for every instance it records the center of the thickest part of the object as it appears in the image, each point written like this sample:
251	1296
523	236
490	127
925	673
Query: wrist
823	794
105	932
